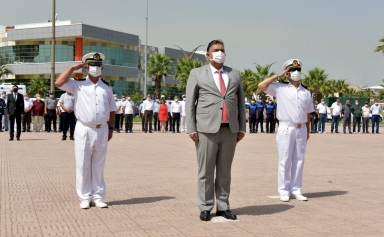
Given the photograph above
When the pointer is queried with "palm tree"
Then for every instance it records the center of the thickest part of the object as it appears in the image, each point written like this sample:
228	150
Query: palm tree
183	68
350	92
249	83
3	68
341	87
158	66
262	73
380	48
37	85
381	93
316	82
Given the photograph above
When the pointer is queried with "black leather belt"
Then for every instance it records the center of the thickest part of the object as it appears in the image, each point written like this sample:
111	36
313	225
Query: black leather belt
224	125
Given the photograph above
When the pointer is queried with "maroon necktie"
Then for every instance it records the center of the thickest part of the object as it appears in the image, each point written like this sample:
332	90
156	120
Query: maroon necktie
222	91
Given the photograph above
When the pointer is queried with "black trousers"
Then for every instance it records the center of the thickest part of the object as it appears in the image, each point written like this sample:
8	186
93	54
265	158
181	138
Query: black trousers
170	120
156	123
176	121
347	122
142	121
252	123
117	121
270	127
1	122
356	120
27	119
260	120
61	122
121	121
46	128
365	124
148	114
12	127
69	120
51	116
128	122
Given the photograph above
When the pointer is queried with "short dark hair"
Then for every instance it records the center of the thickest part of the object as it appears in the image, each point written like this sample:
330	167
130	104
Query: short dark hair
15	86
214	42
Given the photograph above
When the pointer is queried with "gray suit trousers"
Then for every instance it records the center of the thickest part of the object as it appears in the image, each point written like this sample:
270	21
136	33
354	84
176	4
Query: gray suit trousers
215	150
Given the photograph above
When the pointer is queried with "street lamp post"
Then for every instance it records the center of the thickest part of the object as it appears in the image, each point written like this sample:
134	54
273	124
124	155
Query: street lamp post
145	52
52	88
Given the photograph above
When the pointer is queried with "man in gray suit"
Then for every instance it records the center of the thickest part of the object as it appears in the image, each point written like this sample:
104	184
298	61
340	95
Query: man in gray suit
215	114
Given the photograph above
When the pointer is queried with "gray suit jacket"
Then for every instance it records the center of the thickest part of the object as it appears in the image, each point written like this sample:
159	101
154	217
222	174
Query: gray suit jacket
204	101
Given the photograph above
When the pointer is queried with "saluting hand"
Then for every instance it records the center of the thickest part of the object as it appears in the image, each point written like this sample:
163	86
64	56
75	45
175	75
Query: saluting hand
78	66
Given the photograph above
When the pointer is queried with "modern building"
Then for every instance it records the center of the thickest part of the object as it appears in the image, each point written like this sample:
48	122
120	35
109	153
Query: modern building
26	49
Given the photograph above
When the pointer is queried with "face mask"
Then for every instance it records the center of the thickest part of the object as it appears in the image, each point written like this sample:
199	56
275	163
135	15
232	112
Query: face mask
176	100
295	76
366	105
270	102
356	103
123	99
26	98
129	98
3	96
15	89
51	96
94	71
218	57
183	99
115	98
376	104
38	98
253	102
148	99
322	102
157	101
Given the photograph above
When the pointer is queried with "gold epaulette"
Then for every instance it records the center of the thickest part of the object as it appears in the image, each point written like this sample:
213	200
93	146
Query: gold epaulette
105	82
79	79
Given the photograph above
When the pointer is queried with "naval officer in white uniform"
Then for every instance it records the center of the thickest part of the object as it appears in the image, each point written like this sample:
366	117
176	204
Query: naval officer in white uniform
95	112
293	111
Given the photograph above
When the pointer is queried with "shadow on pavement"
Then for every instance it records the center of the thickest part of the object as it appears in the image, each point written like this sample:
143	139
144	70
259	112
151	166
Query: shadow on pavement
262	209
140	200
325	194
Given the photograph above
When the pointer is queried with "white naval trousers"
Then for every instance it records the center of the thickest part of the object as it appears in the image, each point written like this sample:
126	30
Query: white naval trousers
291	146
90	151
183	123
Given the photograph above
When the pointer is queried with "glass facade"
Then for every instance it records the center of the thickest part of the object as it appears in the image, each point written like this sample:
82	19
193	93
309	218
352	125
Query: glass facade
116	56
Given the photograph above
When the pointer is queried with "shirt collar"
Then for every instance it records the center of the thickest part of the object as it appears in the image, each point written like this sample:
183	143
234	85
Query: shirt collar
214	70
89	80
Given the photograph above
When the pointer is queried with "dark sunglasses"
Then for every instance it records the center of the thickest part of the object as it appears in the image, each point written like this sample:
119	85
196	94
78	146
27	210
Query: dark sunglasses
292	69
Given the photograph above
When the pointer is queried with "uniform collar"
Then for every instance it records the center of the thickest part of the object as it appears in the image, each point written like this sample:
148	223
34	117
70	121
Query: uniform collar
89	80
300	86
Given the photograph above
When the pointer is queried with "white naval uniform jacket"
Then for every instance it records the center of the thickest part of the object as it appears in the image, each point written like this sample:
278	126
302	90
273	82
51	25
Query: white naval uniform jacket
93	102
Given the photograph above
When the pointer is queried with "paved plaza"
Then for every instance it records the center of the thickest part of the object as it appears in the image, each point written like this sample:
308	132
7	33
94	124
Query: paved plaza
152	188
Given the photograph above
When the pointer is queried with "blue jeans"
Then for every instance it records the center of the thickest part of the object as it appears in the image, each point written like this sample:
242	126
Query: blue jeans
335	121
321	127
375	119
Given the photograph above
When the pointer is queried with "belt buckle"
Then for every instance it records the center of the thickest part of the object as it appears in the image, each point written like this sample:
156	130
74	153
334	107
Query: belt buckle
98	126
299	126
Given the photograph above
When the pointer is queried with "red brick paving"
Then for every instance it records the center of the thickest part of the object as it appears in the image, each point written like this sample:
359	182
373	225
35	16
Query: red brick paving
151	188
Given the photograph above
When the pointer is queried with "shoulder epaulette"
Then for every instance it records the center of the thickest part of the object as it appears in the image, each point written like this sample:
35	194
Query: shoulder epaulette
79	79
284	82
105	82
304	87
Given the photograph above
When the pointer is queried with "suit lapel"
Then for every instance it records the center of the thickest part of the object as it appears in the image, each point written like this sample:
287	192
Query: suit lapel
211	81
229	73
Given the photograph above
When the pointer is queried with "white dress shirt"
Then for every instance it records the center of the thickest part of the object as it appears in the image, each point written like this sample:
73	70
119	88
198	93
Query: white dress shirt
366	111
148	105
93	102
215	75
336	109
27	104
175	107
128	104
376	109
322	108
119	104
293	105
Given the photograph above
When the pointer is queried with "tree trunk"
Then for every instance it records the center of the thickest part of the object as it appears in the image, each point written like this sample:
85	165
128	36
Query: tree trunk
157	86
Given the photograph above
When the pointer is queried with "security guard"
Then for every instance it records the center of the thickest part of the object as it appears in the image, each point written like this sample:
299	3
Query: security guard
270	111
260	115
252	116
95	112
294	109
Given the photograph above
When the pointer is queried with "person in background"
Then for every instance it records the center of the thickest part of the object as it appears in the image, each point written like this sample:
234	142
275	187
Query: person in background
5	120
58	112
148	114
141	114
15	111
322	114
156	123
122	102
252	116
117	113
365	110
347	112
67	103
170	119
175	113
128	110
163	115
182	114
38	112
356	111
50	111
2	111
375	111
314	118
260	115
270	111
27	118
336	115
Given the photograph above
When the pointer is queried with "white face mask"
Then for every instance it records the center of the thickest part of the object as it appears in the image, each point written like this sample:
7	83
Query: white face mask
123	99
115	98
94	71
26	98
129	98
295	76
366	105
38	98
356	103
218	57
183	99
176	100
322	102
3	96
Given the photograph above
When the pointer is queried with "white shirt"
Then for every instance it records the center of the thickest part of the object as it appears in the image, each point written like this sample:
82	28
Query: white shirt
336	109
322	108
293	105
215	75
182	108
128	105
175	107
169	106
375	109
93	102
58	105
118	104
148	105
366	111
27	104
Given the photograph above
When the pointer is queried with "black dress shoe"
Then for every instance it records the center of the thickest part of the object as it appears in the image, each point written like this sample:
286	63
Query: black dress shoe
11	139
64	138
18	138
71	138
227	214
205	215
22	130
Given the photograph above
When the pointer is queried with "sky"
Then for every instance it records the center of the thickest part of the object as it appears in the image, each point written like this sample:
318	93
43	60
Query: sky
336	35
